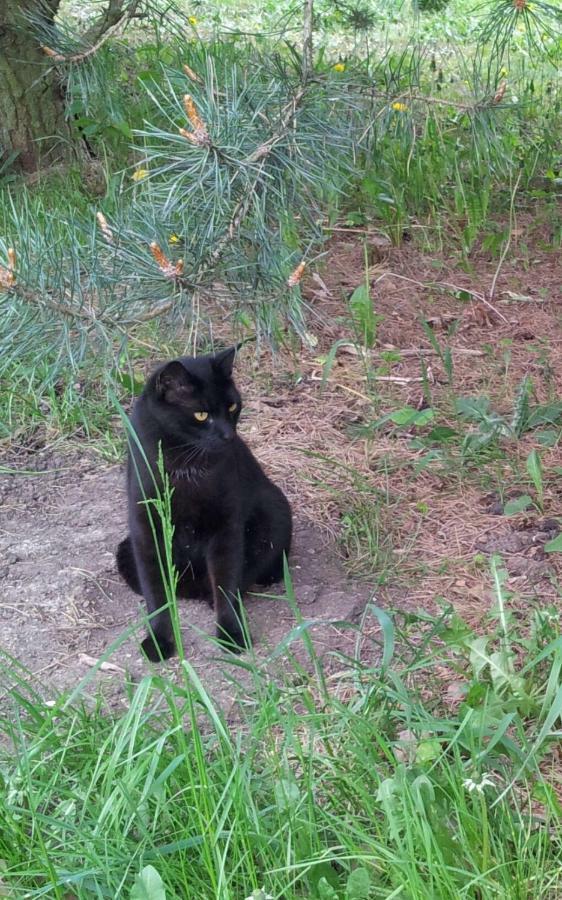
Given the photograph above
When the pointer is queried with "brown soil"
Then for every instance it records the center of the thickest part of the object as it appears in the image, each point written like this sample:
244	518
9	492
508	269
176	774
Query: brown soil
62	603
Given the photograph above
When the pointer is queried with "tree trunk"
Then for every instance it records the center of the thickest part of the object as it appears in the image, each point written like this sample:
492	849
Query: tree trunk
32	119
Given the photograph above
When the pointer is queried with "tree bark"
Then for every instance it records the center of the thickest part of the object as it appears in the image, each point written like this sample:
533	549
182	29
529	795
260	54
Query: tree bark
307	48
33	127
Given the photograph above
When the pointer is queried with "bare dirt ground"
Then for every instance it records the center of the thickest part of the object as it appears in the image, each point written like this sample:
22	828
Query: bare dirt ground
62	604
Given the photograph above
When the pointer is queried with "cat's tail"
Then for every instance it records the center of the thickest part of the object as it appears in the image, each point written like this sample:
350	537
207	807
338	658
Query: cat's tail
126	565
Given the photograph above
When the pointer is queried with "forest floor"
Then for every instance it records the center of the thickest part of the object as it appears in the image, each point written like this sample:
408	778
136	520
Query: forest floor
391	511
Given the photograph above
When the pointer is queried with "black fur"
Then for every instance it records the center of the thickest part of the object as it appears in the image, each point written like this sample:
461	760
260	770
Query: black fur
232	524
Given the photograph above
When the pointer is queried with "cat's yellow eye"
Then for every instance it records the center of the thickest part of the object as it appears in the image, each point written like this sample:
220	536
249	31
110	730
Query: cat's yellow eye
201	416
233	407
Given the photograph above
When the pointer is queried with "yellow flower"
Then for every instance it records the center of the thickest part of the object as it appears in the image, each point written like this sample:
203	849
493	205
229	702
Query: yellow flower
139	174
192	20
174	239
503	72
399	107
339	67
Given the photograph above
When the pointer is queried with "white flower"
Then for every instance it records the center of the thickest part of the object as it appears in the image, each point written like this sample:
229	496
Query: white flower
486	780
259	894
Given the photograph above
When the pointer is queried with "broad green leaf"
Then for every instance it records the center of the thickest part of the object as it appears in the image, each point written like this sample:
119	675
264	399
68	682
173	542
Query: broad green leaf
555	545
501	672
287	794
361	306
427	752
548	437
410	416
517	505
441	434
386	790
423	417
358	885
546	414
325	890
403	416
148	885
474	408
479	658
131	382
534	468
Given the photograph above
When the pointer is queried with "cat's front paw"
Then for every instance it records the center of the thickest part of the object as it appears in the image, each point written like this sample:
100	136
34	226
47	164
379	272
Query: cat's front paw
233	637
157	648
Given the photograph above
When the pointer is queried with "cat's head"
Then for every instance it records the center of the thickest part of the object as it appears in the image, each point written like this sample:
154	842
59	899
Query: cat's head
196	402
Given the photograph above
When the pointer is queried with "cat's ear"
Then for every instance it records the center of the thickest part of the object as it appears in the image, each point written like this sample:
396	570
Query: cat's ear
223	362
173	381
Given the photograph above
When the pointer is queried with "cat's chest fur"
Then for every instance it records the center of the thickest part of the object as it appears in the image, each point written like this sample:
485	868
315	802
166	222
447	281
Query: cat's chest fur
205	502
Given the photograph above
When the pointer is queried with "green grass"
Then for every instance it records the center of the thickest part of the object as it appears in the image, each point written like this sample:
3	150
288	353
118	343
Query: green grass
361	784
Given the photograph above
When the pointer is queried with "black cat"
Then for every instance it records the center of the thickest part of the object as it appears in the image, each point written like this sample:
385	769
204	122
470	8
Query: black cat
232	525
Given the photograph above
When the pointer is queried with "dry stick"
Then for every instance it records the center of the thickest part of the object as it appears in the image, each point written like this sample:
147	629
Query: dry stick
388	378
422	351
426	284
30	297
508	242
153	313
374	231
480	297
307	47
106	34
113	15
88	315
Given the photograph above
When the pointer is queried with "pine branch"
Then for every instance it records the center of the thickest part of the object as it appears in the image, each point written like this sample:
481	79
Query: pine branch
116	17
261	153
115	13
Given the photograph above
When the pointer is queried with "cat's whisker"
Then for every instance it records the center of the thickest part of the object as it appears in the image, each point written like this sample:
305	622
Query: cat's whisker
191	456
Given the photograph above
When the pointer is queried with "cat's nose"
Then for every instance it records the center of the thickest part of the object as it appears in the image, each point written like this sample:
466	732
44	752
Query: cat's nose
226	433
